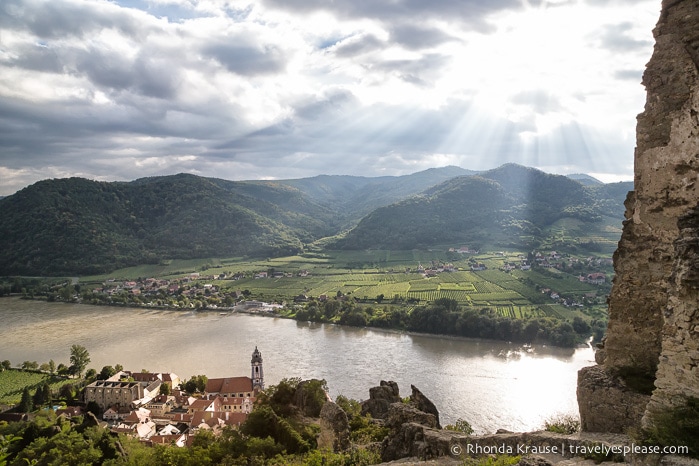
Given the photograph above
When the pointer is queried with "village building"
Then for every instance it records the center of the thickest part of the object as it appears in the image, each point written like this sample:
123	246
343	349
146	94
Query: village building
216	420
160	405
110	393
234	394
178	440
69	411
173	419
596	278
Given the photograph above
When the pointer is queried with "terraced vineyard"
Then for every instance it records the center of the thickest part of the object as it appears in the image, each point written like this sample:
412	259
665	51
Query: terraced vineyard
391	276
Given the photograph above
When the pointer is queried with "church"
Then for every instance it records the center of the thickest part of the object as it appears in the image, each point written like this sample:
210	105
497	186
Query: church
237	393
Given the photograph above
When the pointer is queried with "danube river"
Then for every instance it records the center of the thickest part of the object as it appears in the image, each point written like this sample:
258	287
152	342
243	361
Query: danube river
491	384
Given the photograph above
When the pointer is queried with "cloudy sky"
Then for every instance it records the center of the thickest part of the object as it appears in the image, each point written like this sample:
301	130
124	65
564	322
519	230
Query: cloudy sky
264	89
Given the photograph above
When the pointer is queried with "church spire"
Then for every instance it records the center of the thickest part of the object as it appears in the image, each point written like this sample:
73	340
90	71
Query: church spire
258	378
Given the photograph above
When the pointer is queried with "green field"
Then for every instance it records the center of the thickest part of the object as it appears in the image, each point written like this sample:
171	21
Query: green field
391	276
12	383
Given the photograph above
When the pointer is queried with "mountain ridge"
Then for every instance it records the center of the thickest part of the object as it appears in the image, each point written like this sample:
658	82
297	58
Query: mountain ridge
77	226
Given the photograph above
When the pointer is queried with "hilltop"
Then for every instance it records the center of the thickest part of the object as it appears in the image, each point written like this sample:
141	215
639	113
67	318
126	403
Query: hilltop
75	226
508	206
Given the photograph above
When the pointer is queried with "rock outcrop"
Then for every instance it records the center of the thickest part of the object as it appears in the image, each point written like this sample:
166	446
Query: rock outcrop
677	378
334	428
424	404
310	396
380	398
606	399
413	426
653	320
407	435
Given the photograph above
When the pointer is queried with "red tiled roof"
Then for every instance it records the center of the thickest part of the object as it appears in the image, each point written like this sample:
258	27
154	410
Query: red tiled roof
229	385
167	377
213	418
225	400
144	376
178	417
201	405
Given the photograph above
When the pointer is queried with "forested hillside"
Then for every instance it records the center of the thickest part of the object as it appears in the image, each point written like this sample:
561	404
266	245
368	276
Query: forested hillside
353	197
510	205
76	226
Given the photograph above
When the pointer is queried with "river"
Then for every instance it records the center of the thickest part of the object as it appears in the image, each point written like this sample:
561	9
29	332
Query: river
490	384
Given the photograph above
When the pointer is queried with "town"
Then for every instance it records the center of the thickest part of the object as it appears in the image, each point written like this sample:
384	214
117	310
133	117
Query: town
157	409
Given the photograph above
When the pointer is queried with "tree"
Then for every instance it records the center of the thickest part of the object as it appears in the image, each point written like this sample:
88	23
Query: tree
5	365
27	404
106	372
196	384
79	359
94	408
67	391
48	396
62	369
30	365
52	366
164	389
42	396
461	426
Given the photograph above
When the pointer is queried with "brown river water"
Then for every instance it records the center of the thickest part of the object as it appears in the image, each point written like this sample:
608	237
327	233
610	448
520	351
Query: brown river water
490	384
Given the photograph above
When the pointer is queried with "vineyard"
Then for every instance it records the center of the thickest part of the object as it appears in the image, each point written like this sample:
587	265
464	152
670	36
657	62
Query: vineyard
376	276
12	382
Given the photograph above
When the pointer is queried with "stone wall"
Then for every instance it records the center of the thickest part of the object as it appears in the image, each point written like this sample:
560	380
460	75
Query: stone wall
678	373
653	323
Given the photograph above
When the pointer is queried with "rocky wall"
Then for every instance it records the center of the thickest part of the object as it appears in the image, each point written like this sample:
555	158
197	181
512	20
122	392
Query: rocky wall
652	310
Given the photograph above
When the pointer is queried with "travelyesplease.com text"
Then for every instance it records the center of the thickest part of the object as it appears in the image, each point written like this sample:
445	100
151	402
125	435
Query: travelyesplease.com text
566	450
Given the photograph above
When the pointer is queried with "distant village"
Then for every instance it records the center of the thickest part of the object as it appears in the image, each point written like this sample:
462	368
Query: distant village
153	408
179	293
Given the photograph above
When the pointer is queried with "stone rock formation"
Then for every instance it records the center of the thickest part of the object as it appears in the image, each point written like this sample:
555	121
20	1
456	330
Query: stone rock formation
424	404
309	397
407	435
334	428
605	399
413	426
677	378
380	398
653	320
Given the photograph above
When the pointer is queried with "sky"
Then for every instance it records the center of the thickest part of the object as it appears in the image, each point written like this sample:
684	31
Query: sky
278	89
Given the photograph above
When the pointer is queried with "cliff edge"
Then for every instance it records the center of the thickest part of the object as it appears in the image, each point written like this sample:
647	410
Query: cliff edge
648	368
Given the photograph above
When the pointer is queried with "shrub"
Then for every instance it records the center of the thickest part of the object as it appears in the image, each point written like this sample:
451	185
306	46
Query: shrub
676	427
562	424
462	426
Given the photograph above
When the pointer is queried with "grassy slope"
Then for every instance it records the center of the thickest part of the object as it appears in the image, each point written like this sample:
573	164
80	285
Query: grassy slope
12	383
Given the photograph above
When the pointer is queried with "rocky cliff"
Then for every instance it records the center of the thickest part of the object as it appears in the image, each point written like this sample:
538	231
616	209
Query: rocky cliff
650	360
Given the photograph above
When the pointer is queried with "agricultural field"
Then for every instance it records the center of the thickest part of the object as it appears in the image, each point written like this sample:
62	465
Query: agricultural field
379	277
12	383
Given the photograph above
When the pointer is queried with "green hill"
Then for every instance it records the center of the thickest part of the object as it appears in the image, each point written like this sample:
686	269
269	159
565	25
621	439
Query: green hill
353	197
76	226
508	206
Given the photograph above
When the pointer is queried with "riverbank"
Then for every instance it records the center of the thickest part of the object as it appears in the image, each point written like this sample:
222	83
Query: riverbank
559	335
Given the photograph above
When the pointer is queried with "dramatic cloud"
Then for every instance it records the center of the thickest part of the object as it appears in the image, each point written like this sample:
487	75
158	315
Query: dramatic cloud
240	89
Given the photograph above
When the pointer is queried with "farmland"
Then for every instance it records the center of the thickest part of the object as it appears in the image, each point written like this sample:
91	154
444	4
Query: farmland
12	382
397	277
